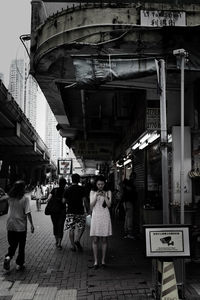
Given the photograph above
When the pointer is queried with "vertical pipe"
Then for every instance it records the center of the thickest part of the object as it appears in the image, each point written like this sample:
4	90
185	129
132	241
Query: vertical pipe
163	127
182	139
84	114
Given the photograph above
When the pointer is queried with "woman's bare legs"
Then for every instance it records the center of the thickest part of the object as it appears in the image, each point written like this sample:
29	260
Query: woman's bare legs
104	248
95	243
71	237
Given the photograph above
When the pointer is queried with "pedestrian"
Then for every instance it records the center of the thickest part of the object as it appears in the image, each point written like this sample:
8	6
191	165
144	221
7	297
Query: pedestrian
101	228
128	199
75	199
38	192
59	213
19	211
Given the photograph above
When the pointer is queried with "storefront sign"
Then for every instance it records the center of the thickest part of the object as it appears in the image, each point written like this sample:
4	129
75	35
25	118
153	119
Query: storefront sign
153	118
64	167
167	241
160	18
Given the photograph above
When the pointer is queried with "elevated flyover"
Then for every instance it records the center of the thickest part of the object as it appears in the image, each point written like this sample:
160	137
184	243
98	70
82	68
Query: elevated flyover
22	151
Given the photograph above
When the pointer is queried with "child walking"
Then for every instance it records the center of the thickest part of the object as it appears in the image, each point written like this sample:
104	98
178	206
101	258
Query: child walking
19	211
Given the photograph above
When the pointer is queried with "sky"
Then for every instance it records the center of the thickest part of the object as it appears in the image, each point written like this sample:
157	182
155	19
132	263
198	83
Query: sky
15	20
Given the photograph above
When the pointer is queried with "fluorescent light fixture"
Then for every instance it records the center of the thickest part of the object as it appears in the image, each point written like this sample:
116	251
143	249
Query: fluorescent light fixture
119	166
144	138
169	138
136	146
127	162
153	137
142	146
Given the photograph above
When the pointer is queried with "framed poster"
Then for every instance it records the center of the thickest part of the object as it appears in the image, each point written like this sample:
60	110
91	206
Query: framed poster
64	167
167	241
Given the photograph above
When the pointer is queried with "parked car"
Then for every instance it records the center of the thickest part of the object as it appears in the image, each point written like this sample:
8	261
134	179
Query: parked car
3	202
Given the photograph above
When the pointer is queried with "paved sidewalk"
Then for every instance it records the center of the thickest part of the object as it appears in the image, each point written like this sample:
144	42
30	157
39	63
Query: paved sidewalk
65	275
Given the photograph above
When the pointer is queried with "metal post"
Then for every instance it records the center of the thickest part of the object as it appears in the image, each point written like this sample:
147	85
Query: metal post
182	138
181	53
163	128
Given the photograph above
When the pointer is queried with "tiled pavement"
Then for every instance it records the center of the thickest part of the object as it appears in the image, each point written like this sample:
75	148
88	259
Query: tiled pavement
64	275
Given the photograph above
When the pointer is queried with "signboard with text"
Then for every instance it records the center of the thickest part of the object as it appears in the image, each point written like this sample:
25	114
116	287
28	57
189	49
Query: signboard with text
167	241
160	18
64	167
153	118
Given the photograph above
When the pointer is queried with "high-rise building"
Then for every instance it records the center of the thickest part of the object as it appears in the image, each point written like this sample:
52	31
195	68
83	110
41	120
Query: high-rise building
53	139
17	80
26	93
2	77
23	88
30	101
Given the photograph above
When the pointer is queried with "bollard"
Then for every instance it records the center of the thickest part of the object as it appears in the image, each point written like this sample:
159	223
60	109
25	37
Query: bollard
169	289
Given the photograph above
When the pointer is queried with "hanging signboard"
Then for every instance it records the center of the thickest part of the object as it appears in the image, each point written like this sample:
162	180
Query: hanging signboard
64	167
159	18
169	241
99	70
153	118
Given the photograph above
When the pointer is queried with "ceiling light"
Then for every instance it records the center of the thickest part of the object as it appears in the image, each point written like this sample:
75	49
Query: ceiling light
136	146
169	138
127	162
144	138
143	145
153	137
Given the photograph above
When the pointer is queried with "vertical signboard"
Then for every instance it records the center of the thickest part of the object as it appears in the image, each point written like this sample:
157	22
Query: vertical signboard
64	167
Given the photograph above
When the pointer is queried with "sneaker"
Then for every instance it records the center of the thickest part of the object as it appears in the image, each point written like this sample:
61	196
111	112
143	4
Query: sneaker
19	268
6	264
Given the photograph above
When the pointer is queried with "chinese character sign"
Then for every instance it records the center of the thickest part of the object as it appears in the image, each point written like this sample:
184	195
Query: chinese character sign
64	167
162	18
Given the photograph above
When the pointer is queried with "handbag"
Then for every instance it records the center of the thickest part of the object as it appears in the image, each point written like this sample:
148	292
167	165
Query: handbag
88	220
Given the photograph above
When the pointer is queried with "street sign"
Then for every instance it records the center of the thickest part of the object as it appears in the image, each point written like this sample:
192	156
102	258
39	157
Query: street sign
169	241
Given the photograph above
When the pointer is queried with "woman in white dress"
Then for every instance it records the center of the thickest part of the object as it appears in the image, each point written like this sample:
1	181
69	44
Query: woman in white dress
101	228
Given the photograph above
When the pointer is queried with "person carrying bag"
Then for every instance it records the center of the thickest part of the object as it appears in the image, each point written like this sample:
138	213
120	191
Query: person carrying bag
57	210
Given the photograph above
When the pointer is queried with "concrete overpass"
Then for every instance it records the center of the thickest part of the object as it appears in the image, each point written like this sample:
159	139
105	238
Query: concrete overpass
23	154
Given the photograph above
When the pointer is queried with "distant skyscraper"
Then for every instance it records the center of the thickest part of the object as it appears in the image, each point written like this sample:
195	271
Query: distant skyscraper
23	88
17	80
53	139
30	101
2	77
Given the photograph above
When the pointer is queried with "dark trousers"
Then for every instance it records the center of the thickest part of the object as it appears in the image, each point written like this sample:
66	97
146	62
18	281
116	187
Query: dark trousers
17	239
58	224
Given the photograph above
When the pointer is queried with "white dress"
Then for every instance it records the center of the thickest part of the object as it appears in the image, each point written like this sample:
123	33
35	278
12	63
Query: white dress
100	221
